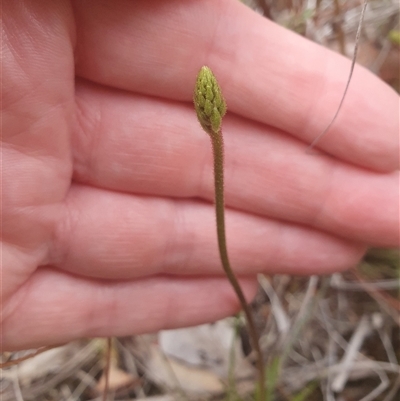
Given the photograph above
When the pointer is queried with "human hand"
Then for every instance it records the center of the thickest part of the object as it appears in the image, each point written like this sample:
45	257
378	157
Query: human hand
108	221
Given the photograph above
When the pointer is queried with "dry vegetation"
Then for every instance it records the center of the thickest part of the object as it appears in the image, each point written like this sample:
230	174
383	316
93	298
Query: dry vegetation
324	338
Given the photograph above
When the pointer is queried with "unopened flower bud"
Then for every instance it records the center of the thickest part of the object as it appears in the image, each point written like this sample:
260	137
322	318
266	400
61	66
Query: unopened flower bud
208	101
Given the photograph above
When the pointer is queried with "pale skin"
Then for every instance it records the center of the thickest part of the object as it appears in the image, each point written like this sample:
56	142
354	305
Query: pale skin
107	185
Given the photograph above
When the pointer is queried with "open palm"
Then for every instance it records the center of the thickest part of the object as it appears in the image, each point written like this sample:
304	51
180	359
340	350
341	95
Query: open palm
108	222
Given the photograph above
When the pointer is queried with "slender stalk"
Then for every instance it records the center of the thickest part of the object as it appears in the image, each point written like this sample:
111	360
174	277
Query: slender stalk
107	369
218	152
210	108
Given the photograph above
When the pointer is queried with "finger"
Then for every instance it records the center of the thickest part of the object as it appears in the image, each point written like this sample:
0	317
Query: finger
121	143
266	72
70	307
109	235
38	92
37	103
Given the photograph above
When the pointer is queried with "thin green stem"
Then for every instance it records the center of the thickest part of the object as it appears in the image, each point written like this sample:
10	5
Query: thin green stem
218	152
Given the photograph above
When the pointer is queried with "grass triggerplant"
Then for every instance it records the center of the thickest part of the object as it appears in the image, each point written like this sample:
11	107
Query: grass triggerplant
210	108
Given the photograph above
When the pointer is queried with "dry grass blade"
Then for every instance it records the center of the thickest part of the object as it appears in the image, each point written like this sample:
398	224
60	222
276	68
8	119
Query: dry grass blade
17	361
353	62
362	331
107	368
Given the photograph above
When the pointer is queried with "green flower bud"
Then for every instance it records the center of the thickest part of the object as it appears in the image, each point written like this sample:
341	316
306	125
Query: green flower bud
394	37
208	101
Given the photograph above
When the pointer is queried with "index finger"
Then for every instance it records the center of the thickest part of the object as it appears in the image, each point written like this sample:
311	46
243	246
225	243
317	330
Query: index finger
267	73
